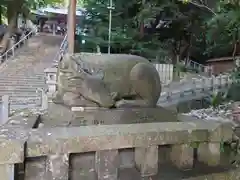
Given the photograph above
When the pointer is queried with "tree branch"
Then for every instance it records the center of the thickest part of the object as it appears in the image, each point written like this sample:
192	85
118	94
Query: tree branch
200	6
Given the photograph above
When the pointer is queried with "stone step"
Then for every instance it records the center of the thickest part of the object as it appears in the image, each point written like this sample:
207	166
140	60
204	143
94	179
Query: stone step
25	102
21	84
22	94
23	106
20	79
12	90
20	89
19	75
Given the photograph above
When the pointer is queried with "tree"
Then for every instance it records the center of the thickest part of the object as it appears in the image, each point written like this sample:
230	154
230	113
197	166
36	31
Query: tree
223	30
149	28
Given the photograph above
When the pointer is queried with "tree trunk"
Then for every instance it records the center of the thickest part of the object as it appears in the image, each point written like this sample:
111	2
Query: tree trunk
176	72
236	42
13	9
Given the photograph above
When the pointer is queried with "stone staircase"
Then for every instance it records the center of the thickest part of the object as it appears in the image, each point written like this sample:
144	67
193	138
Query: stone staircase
22	75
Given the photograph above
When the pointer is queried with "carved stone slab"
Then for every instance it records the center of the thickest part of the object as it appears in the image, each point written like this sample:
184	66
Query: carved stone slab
90	116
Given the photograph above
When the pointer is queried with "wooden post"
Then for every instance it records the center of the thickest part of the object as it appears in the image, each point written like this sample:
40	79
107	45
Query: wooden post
71	25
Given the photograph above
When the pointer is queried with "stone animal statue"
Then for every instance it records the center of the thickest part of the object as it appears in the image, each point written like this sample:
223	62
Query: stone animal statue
126	81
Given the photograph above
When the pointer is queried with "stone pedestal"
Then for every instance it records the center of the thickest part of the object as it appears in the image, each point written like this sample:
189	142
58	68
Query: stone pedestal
146	160
107	164
182	156
209	153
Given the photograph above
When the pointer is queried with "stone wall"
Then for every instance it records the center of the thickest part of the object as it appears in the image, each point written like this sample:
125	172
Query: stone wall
61	153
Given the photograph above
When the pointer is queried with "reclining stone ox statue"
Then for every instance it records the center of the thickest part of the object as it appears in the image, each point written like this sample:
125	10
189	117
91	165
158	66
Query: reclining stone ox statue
107	80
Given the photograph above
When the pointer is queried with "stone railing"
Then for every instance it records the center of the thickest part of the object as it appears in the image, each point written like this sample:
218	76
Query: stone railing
61	52
199	67
6	105
194	88
61	153
11	51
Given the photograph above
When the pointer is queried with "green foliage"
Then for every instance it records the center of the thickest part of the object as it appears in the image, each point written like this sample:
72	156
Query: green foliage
168	26
218	98
223	30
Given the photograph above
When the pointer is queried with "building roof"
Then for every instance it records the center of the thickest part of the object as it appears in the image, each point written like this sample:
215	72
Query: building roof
57	10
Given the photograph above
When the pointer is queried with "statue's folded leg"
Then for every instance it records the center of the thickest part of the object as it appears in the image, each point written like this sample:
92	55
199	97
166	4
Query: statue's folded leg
71	99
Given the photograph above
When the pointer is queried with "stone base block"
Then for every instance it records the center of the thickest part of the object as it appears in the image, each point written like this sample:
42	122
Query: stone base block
182	156
123	116
146	160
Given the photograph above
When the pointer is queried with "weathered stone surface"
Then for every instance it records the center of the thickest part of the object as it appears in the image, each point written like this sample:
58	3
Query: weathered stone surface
210	153
25	120
221	132
107	164
94	138
56	115
58	166
218	131
146	159
35	168
182	156
123	116
7	171
12	142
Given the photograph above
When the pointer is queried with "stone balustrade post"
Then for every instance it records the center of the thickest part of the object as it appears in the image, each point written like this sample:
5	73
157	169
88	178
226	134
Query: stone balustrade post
203	83
146	159
212	83
220	81
226	80
58	167
210	152
107	164
182	156
194	86
5	109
